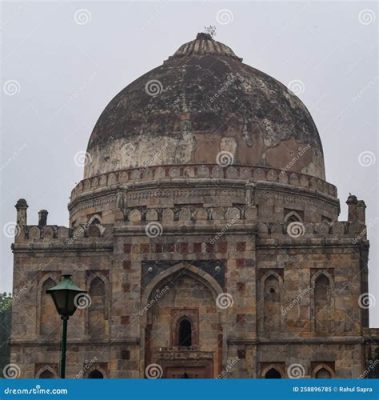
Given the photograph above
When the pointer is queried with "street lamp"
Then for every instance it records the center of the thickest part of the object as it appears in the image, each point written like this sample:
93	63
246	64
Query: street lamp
65	300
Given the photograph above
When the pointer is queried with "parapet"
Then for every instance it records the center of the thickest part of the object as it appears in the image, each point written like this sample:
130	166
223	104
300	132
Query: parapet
151	173
55	234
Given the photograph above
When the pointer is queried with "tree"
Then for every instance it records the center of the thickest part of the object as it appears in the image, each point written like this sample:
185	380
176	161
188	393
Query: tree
5	328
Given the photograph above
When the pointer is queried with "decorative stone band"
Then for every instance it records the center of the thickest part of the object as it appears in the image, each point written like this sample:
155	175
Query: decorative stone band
96	235
175	172
132	341
297	340
226	220
170	354
211	193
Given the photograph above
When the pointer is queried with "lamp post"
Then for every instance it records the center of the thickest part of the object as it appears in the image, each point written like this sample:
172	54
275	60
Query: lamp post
64	295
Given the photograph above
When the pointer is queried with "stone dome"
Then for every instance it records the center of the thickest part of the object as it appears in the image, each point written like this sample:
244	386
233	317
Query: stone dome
205	106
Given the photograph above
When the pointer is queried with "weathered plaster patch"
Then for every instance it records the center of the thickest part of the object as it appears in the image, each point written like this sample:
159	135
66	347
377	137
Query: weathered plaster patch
228	144
142	151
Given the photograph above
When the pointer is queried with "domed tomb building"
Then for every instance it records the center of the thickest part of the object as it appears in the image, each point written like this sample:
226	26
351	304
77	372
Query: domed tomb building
206	236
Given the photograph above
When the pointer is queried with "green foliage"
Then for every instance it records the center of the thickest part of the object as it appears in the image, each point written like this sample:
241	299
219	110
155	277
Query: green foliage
5	328
5	302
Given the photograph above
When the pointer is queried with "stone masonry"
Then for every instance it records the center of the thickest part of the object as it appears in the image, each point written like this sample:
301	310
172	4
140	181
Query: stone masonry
220	257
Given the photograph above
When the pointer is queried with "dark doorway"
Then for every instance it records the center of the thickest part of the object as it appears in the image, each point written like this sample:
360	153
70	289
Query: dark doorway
188	372
323	373
185	333
46	375
95	374
273	374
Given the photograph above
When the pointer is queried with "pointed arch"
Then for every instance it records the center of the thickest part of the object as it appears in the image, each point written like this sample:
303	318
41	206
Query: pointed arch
96	373
272	371
165	305
184	331
94	226
326	274
46	372
97	312
292	216
48	319
97	286
322	302
197	273
323	371
95	220
272	273
271	293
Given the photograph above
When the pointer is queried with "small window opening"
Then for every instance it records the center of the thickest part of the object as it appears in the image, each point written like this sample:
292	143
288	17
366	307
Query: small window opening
185	333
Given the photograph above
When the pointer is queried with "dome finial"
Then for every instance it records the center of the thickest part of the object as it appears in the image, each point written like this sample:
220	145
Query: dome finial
209	31
203	36
204	44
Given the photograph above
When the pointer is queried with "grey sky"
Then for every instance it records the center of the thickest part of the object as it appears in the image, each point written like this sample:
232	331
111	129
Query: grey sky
66	72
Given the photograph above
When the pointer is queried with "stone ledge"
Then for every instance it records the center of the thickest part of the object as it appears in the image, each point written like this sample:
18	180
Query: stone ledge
247	173
300	341
191	230
183	355
306	244
76	342
61	247
171	188
229	220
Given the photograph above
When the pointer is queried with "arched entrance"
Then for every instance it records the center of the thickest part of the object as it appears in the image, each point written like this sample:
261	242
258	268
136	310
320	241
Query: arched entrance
182	325
95	374
273	373
323	373
47	373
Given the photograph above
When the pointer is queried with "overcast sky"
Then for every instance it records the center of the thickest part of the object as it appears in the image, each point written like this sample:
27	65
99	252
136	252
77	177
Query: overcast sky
62	62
